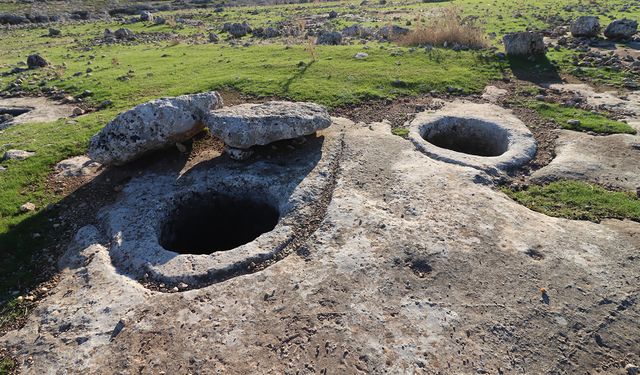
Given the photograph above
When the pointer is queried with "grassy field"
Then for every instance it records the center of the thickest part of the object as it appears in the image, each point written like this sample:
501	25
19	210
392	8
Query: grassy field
588	121
578	200
128	74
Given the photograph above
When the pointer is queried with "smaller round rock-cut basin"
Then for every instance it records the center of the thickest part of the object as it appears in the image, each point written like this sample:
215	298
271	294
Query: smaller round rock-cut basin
481	136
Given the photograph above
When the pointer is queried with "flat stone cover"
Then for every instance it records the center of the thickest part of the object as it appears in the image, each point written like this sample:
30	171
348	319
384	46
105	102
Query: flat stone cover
246	125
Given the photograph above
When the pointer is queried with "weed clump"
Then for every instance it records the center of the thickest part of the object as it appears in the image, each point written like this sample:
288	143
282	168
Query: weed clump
447	29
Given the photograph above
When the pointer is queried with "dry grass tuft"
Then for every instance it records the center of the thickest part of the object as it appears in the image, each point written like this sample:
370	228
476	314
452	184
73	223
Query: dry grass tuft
446	29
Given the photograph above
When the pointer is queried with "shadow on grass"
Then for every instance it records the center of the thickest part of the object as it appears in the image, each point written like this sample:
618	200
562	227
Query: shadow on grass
30	249
302	68
539	70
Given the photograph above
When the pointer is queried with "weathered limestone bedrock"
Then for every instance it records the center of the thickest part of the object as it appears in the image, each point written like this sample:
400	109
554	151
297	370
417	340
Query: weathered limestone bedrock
415	268
152	126
247	125
482	136
612	161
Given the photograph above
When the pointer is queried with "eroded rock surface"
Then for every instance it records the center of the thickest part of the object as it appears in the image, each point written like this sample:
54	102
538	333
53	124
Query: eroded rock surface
39	109
246	125
612	160
152	126
415	268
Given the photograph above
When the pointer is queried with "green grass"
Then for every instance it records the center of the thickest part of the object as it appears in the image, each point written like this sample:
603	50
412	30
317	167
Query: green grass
24	181
588	121
400	132
579	201
6	366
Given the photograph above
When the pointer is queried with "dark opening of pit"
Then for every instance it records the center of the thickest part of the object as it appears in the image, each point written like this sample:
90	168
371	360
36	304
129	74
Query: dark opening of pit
207	224
14	111
469	136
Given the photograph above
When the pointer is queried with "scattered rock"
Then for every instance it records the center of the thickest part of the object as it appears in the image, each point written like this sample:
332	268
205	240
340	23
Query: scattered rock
105	104
54	32
361	55
77	166
213	38
523	44
632	369
36	61
124	33
390	32
13	19
357	31
152	126
146	16
333	14
239	154
78	111
493	93
247	125
621	29
237	30
28	207
585	26
332	38
17	155
573	122
267	33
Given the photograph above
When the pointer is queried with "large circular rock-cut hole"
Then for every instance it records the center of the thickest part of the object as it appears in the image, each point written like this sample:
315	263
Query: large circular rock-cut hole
206	224
467	135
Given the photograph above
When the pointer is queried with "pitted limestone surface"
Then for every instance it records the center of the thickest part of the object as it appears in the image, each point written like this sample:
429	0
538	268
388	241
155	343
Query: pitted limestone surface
414	269
219	220
37	109
483	136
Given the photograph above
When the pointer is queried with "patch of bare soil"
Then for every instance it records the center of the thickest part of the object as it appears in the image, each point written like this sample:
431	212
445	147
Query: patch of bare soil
397	112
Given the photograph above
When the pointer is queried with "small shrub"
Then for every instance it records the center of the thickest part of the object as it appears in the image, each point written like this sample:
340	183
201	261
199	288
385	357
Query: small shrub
171	21
310	48
446	29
